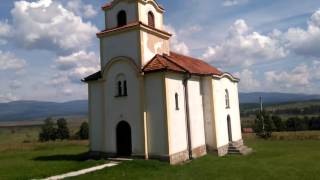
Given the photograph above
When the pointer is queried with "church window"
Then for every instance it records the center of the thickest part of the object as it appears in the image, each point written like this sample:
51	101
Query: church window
151	19
125	92
121	86
119	89
227	99
122	18
177	101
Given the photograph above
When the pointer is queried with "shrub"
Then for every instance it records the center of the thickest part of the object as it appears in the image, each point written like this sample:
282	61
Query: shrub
48	131
278	123
63	130
263	125
84	131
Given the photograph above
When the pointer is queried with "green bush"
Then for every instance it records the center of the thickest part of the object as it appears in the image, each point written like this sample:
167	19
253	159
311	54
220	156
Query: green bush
48	131
278	123
84	131
263	125
63	130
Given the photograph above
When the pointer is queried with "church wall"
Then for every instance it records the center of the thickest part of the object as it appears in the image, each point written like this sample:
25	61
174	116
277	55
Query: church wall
122	44
176	118
127	108
111	14
196	113
144	9
207	99
156	120
95	116
152	45
221	112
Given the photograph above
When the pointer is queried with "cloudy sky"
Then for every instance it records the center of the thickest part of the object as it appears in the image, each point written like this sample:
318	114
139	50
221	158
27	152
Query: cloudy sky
47	46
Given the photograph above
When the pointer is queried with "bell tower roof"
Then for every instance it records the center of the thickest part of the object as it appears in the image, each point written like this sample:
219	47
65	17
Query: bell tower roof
109	5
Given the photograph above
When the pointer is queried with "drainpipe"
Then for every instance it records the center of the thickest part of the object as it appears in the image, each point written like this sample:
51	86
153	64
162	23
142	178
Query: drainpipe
186	98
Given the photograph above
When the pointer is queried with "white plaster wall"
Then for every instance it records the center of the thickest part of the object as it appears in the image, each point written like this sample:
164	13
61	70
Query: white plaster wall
221	112
155	110
144	9
196	112
176	118
95	116
123	108
207	99
122	44
153	45
111	14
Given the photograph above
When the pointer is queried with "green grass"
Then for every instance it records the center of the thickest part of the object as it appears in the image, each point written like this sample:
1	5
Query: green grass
271	160
42	160
21	160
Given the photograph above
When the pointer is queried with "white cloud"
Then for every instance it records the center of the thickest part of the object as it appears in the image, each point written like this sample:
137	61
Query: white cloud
81	9
15	84
244	48
175	43
4	32
228	3
9	61
305	42
299	76
8	97
46	24
74	67
248	81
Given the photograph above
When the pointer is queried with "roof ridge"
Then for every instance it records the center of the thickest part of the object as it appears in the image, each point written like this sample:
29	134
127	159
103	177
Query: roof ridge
180	66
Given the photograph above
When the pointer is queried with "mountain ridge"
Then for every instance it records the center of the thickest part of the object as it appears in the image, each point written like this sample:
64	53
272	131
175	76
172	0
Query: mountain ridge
30	110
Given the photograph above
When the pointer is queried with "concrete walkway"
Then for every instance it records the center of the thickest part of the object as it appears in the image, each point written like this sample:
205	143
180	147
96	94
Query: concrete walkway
81	172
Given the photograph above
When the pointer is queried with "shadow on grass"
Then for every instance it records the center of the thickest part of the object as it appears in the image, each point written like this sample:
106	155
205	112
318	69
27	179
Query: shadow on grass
68	157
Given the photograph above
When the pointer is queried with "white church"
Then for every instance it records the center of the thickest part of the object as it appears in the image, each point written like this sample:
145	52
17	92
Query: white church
152	103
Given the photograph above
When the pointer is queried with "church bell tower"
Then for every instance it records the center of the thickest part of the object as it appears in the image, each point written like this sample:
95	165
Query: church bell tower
133	29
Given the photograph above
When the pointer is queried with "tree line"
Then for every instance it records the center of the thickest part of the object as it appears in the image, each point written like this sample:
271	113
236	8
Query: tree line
265	124
51	131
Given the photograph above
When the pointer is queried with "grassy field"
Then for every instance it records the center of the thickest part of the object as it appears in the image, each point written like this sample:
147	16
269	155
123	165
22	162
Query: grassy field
272	159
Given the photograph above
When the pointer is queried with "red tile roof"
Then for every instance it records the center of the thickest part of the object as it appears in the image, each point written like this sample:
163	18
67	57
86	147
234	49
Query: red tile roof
180	63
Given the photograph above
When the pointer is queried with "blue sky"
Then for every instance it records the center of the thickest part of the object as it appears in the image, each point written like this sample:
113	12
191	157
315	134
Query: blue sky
46	46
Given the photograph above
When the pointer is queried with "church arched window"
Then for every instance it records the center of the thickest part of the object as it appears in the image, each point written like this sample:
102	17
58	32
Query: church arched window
151	19
176	96
227	98
121	86
122	18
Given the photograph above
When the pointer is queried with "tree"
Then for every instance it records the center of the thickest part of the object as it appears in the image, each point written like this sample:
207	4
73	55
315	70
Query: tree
278	123
263	125
48	131
84	131
63	130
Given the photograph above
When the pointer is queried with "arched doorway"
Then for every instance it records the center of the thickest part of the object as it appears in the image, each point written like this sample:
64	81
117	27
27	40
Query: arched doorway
229	128
124	144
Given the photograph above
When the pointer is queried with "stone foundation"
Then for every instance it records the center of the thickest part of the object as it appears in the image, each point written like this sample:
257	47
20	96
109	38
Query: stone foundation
238	143
179	157
199	151
223	150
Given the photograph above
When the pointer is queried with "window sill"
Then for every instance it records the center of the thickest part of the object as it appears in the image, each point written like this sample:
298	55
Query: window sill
122	96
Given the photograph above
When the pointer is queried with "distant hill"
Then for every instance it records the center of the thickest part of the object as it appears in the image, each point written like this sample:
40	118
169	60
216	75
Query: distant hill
31	110
35	110
274	98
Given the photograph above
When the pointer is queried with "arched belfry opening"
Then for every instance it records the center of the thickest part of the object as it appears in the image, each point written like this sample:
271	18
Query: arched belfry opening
151	19
124	141
229	128
122	18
